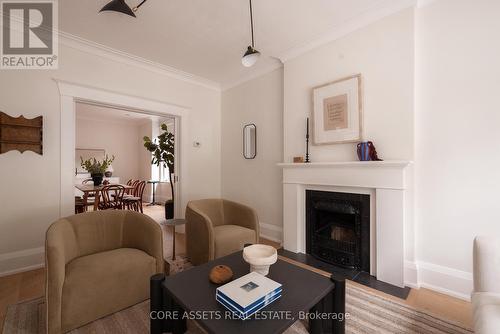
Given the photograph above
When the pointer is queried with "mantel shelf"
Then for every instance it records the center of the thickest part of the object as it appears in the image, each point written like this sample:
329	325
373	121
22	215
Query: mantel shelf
373	164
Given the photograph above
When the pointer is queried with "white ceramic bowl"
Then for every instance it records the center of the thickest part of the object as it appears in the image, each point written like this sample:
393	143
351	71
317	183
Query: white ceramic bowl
260	257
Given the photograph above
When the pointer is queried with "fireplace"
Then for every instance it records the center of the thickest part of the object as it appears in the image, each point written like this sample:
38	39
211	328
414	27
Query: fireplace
338	228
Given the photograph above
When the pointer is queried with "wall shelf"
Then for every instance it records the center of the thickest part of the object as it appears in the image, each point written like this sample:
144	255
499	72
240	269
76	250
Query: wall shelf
21	134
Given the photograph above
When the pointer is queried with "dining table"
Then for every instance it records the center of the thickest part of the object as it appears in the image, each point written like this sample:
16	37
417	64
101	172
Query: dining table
87	189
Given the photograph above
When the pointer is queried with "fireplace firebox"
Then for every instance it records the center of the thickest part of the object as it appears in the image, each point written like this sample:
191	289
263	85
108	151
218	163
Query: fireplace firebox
338	228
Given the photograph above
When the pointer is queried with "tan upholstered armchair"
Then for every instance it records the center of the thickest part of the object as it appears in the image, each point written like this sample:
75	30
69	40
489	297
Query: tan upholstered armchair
217	227
99	263
486	294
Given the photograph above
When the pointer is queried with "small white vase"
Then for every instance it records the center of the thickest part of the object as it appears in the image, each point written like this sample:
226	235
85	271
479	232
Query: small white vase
260	257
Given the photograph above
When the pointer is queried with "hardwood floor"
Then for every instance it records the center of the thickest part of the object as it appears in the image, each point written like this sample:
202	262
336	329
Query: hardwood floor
20	287
31	284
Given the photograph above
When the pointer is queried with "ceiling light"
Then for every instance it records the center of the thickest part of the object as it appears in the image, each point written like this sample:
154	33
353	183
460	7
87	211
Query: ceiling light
121	7
251	55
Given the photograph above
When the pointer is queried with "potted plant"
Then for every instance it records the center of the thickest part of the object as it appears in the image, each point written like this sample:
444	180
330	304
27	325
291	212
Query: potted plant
97	168
162	149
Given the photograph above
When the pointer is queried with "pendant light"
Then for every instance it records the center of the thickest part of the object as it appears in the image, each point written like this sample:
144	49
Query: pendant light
121	7
251	55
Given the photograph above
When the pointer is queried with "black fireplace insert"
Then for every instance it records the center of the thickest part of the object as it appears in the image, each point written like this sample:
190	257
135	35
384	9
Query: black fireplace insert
338	228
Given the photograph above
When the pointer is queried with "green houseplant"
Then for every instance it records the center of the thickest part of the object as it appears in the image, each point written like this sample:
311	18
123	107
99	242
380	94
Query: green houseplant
97	168
162	149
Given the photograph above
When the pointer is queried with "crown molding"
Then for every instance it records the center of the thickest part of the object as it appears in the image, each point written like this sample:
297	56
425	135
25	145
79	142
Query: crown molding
100	50
252	75
384	9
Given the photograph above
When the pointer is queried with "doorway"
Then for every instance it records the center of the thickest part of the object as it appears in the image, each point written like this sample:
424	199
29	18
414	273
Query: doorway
73	94
103	131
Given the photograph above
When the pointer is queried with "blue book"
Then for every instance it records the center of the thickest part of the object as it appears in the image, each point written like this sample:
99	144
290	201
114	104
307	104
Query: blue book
250	312
248	294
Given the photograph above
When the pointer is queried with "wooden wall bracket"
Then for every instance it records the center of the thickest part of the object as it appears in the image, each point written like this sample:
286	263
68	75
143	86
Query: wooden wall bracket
21	134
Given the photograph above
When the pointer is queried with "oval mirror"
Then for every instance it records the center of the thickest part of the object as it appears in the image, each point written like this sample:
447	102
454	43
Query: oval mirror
250	141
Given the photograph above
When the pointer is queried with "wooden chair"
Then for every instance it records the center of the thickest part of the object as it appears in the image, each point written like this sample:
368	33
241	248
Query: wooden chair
88	201
135	202
80	206
131	182
130	192
112	197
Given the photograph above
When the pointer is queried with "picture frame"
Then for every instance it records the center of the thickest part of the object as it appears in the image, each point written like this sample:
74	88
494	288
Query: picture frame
337	111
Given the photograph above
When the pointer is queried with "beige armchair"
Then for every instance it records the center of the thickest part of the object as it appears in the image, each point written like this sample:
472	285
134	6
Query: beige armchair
486	294
217	227
98	263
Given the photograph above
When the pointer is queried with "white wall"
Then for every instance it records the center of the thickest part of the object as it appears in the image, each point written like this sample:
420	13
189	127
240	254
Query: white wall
31	183
118	138
383	53
255	182
430	86
457	136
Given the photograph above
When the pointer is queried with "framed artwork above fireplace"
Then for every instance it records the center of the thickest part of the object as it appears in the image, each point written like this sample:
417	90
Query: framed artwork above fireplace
337	111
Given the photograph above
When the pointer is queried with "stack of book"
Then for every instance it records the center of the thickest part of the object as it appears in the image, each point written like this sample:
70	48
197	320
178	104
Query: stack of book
248	294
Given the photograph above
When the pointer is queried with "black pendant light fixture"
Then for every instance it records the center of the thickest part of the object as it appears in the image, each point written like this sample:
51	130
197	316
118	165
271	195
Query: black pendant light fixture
121	7
251	55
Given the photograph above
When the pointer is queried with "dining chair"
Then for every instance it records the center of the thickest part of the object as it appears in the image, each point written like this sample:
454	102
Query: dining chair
90	198
80	206
135	202
112	197
130	192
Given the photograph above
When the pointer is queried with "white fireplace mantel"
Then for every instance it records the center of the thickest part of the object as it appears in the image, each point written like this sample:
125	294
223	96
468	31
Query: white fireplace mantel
387	182
370	164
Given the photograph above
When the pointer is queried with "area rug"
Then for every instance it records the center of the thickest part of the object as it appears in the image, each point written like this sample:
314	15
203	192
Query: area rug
368	313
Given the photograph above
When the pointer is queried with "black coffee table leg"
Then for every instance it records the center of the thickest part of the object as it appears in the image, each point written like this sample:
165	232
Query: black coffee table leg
332	305
156	303
316	325
166	315
339	306
179	325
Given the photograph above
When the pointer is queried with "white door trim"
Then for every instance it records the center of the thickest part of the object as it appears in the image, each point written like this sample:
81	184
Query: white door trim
71	93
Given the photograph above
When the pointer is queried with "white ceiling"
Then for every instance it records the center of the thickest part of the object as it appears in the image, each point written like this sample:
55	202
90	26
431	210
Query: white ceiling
208	37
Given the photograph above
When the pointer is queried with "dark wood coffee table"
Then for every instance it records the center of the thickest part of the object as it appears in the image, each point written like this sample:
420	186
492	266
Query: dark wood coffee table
304	293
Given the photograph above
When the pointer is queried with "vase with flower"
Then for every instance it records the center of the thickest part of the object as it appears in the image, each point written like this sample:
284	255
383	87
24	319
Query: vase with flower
97	168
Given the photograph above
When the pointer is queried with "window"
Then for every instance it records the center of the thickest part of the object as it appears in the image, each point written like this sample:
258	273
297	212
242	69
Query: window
163	174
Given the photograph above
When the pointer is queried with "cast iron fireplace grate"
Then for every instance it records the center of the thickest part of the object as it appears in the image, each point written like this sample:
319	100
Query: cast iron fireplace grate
338	228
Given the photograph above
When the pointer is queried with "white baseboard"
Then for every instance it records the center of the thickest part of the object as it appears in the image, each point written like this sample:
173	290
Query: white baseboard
271	232
22	270
20	261
411	275
449	281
